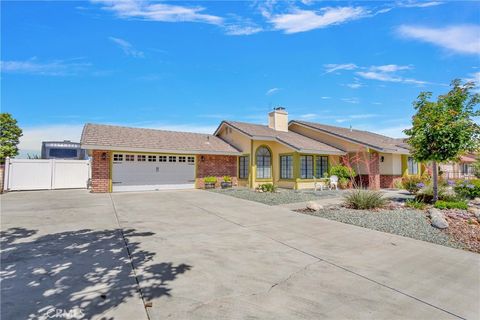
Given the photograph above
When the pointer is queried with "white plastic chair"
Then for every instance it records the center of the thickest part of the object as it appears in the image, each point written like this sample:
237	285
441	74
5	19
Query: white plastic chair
320	183
333	182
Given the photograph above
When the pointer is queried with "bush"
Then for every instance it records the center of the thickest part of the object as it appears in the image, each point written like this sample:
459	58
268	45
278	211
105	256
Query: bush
397	184
227	179
342	172
440	204
415	204
426	194
468	188
364	199
413	183
210	179
267	187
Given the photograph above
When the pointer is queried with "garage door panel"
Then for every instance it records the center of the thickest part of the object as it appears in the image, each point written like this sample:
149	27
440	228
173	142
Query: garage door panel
145	175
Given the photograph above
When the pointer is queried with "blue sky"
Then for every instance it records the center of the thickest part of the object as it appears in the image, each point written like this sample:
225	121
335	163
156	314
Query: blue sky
189	65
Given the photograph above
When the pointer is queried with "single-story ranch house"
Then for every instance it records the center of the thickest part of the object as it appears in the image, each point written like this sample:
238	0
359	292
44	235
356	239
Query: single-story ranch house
288	154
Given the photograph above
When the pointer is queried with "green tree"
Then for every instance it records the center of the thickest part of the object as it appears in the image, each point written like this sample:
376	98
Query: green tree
10	134
444	130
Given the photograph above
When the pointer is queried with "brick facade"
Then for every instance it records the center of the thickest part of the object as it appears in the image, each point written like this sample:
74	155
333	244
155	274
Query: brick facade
100	171
218	166
388	181
374	171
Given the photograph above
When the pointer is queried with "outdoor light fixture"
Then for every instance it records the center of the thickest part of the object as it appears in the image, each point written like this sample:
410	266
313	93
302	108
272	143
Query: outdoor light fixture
202	158
104	156
382	158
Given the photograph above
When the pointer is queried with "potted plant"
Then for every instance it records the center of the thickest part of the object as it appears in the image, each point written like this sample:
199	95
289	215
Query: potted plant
227	182
210	182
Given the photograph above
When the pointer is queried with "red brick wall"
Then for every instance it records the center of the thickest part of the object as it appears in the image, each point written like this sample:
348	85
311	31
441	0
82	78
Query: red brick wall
216	165
100	171
374	172
388	181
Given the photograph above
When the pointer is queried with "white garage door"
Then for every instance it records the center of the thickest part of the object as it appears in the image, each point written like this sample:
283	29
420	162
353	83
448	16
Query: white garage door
139	172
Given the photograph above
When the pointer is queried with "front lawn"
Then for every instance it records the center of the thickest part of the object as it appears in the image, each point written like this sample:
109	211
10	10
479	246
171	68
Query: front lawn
282	196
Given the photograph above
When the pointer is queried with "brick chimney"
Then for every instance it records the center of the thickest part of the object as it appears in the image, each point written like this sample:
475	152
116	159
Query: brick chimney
278	119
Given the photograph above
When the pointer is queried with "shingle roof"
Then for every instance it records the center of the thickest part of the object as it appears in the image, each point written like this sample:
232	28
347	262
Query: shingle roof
369	139
140	139
296	141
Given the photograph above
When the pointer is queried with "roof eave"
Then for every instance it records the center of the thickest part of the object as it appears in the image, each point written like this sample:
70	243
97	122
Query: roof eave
154	150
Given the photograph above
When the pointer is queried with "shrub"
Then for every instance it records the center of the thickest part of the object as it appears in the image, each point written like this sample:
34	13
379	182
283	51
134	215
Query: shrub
397	184
440	204
343	183
364	199
267	187
468	188
210	179
426	194
227	179
413	183
342	172
415	204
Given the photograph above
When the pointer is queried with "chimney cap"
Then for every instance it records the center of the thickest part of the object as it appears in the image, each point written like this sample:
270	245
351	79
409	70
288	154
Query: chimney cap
279	108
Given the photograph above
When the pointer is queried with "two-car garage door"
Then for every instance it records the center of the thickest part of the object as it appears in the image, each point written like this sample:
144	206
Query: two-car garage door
139	172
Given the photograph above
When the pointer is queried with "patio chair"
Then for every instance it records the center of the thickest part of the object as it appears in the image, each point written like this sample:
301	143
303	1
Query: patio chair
333	182
317	183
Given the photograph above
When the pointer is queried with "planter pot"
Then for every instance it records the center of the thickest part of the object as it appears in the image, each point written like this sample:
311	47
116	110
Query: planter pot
210	185
226	185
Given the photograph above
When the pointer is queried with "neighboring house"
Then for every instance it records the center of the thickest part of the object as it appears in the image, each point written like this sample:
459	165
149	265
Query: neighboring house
289	154
463	169
62	150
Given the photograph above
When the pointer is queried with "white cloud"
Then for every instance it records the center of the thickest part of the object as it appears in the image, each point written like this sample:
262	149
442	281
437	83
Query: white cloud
272	91
388	77
332	67
52	68
325	98
459	38
242	30
355	85
308	116
159	11
390	68
394	132
351	100
356	117
412	4
306	20
127	47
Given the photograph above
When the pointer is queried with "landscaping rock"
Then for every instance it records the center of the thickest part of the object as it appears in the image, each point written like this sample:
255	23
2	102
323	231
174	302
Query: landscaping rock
438	219
314	206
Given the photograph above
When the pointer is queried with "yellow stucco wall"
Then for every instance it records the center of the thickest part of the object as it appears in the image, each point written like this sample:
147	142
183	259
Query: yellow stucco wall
391	165
235	138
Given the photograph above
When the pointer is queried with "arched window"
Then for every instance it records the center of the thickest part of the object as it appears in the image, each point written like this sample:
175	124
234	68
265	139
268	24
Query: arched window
264	161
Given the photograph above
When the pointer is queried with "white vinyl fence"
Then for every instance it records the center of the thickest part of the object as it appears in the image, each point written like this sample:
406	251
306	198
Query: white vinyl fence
39	174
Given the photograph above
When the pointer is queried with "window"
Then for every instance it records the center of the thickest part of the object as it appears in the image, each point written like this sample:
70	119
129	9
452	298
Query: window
263	163
191	160
141	157
162	158
306	167
182	159
412	166
129	157
286	167
62	153
118	157
172	159
467	169
321	166
243	167
152	158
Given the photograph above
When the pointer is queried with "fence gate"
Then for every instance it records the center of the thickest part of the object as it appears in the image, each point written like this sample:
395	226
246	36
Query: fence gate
36	174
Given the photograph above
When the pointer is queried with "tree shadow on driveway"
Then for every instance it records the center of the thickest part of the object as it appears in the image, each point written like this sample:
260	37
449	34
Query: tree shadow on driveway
84	272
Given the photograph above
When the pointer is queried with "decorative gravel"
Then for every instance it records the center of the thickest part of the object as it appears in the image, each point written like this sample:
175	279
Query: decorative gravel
404	222
282	196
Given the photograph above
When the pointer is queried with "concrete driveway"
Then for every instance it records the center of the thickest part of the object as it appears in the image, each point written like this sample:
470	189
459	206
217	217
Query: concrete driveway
203	255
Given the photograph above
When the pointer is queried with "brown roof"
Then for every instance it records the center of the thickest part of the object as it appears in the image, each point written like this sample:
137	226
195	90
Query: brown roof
294	140
366	138
96	136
